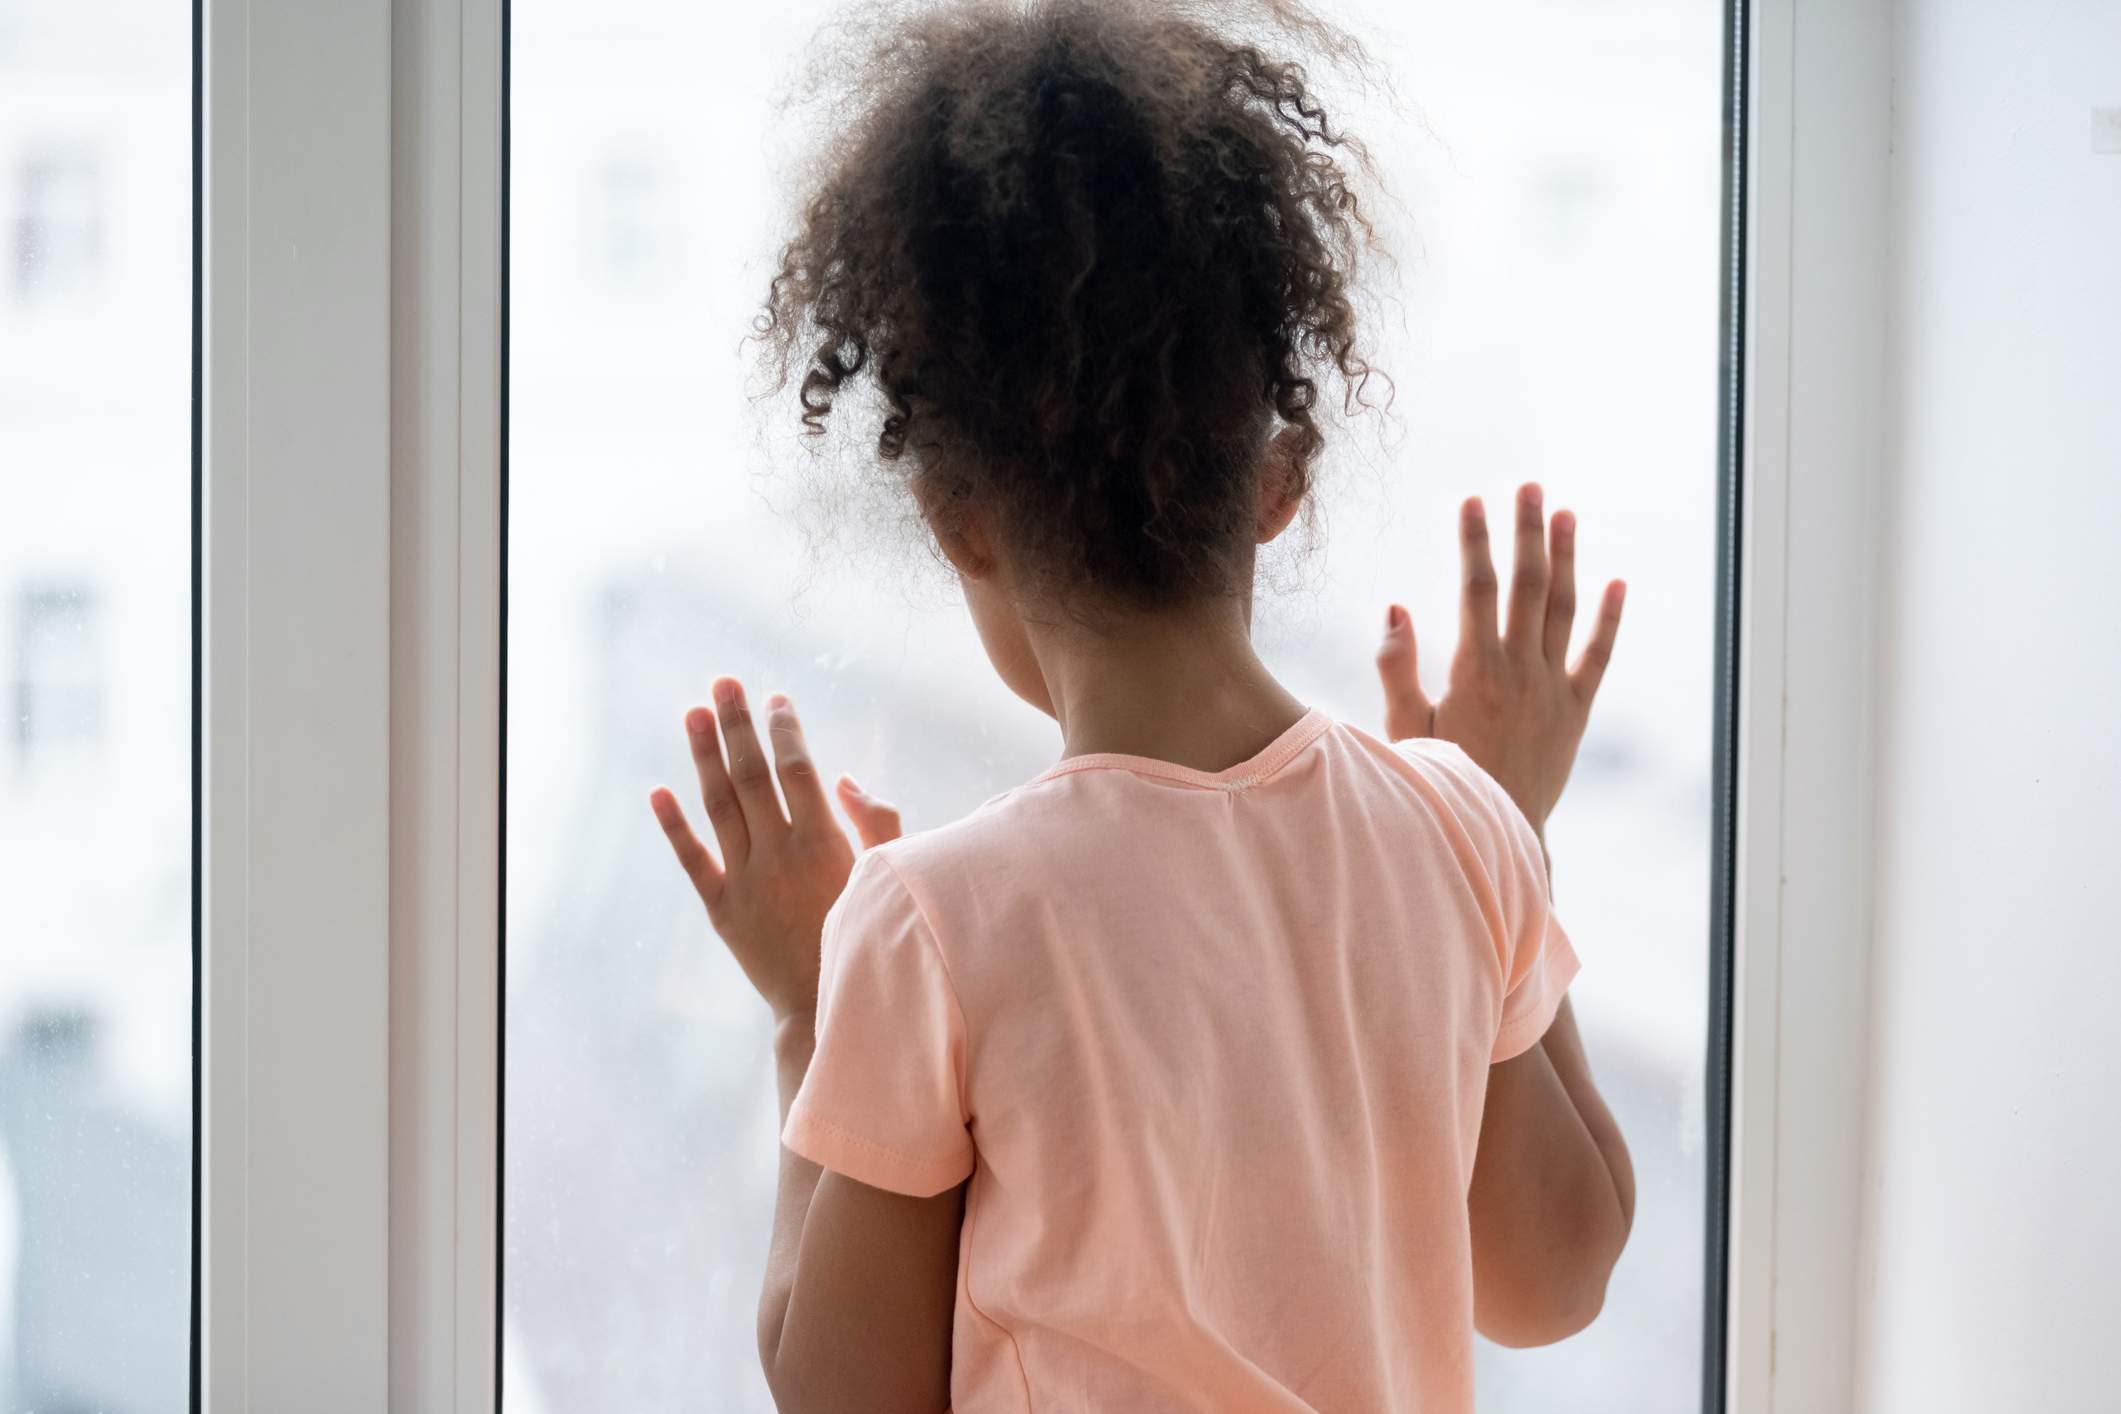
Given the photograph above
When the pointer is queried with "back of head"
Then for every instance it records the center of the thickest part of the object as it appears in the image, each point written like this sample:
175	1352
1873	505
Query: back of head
1089	251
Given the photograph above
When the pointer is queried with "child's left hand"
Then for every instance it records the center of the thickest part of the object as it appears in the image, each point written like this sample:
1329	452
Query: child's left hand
780	872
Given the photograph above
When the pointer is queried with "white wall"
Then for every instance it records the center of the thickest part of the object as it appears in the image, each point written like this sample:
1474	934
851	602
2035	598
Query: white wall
1994	1218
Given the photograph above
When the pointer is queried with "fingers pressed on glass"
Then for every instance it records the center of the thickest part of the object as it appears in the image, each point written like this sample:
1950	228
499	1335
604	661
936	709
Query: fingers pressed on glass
749	770
1528	572
724	815
1477	584
1591	663
693	857
1561	588
805	793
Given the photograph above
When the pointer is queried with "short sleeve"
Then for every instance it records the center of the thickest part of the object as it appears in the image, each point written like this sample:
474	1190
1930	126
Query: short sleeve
1545	964
1538	964
883	1101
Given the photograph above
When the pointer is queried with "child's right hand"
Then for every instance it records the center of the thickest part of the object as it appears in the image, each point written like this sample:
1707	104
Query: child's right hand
1512	704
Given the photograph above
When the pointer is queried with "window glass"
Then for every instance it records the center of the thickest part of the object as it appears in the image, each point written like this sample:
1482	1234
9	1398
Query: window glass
1554	174
95	665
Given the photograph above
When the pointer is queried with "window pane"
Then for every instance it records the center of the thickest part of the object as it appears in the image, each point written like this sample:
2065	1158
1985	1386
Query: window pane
1555	169
95	649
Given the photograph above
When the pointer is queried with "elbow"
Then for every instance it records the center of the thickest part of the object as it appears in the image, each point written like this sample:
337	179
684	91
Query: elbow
1552	1299
1558	1310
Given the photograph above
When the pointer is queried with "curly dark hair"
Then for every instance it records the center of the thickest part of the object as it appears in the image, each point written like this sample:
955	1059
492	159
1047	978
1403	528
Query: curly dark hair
1089	251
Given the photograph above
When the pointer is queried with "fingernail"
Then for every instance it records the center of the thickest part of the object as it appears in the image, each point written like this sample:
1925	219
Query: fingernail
1394	618
725	691
1475	511
1565	520
698	720
1532	494
854	785
778	702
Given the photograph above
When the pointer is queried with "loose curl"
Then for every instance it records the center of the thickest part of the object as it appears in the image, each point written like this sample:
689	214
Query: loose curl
1089	252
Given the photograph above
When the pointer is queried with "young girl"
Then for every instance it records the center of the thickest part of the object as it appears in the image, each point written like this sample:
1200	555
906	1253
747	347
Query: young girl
1227	1066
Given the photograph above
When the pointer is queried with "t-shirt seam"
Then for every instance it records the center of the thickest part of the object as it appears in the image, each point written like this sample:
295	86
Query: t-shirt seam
841	1132
1517	833
1272	761
973	1202
1512	1026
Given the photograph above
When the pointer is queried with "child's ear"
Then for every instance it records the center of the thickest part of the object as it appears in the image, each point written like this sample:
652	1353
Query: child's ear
1277	479
961	534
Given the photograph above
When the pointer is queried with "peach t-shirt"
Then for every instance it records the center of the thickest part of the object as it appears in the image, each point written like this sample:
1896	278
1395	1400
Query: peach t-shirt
1211	1049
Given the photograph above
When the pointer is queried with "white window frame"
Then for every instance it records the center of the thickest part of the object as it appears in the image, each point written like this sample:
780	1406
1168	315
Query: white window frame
1817	266
351	866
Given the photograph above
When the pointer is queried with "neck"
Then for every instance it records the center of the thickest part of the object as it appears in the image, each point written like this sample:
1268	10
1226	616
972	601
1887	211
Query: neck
1179	685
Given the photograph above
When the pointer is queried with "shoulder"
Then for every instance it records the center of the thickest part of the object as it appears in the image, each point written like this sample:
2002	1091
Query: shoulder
899	884
875	909
1437	768
1472	801
989	839
1446	767
880	947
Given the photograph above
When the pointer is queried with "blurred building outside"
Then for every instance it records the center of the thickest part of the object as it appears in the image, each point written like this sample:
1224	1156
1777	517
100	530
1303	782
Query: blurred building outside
95	665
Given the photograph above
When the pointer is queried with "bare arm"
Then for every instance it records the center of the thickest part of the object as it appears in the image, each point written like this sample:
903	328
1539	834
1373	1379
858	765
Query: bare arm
861	1284
1553	1194
1564	1051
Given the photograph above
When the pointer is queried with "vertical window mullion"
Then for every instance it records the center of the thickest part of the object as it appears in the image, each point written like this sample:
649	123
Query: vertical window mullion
295	704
